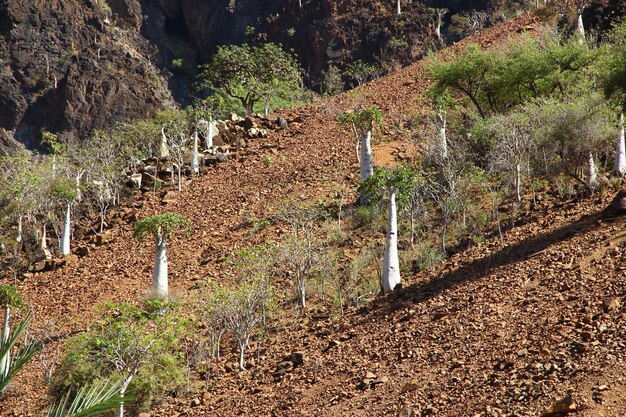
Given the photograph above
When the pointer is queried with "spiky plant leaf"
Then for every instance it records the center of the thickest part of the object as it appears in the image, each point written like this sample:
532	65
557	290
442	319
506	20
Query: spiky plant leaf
21	358
93	400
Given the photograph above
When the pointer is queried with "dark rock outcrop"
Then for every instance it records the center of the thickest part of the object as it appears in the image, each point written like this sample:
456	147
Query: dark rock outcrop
71	66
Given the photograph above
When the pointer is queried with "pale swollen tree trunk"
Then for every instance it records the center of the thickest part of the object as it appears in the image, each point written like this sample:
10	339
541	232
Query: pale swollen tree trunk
620	155
209	135
65	240
43	243
180	173
367	163
399	7
164	152
391	263
6	360
592	180
580	28
195	165
20	232
159	274
443	137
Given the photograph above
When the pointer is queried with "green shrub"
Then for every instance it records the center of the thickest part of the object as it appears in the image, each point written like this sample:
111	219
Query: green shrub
125	337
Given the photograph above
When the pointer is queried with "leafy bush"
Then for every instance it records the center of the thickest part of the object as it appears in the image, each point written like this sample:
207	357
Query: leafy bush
140	347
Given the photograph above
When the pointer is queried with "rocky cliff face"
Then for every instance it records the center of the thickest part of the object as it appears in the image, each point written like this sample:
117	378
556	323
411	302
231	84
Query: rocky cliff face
71	66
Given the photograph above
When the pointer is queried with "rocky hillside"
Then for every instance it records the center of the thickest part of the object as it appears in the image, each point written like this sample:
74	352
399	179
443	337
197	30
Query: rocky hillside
529	325
70	66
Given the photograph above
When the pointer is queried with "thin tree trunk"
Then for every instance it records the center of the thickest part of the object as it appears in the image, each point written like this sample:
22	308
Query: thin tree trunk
443	137
242	347
399	8
20	232
620	156
412	230
65	241
518	182
159	274
391	263
180	184
120	407
438	27
209	136
195	165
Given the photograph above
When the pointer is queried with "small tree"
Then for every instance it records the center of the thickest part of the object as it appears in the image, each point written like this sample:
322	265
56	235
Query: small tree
242	310
396	186
140	348
251	73
612	66
363	122
160	227
360	72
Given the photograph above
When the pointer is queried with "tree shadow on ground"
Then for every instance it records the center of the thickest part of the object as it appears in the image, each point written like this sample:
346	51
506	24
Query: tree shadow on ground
480	268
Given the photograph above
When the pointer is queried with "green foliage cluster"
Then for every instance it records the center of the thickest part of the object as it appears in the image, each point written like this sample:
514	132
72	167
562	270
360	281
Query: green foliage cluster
251	73
363	118
496	80
160	225
127	343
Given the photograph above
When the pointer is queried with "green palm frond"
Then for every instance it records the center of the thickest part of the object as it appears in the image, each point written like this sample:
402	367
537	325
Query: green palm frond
21	358
92	400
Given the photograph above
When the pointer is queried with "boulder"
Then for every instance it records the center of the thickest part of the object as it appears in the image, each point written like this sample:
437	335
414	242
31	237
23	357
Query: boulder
617	206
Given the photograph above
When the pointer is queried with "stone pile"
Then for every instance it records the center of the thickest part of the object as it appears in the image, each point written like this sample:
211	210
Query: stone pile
229	137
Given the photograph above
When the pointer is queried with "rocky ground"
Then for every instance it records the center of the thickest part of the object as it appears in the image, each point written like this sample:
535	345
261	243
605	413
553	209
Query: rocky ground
529	325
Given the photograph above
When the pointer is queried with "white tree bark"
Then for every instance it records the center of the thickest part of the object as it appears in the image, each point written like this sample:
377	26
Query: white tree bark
164	151
620	155
20	232
438	26
43	243
159	274
518	181
399	8
592	180
367	163
443	137
580	28
65	240
209	135
242	348
6	360
120	407
195	165
391	263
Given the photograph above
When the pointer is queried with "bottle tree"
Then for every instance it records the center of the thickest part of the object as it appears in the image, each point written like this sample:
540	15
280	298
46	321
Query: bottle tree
363	122
160	227
395	187
612	65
